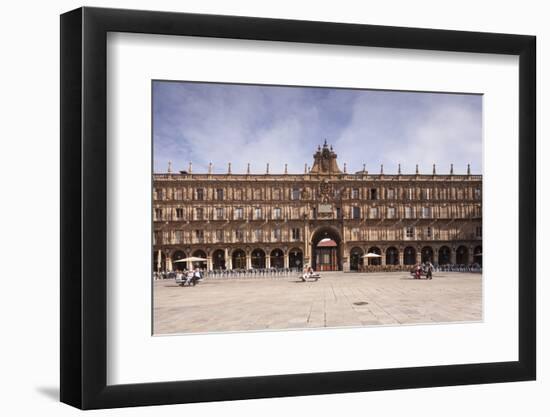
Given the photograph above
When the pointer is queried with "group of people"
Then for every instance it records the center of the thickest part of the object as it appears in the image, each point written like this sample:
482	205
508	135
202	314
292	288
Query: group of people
189	277
309	273
425	268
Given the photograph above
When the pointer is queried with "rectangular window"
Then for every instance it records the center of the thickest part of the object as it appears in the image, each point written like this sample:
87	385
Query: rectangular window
219	213
391	212
219	194
478	231
355	233
355	193
277	234
257	194
374	194
276	194
157	238
199	235
428	232
426	194
239	235
257	213
409	212
295	233
338	213
158	214
258	236
373	212
238	213
199	214
390	192
409	232
477	193
426	212
219	235
277	213
295	193
178	194
178	237
179	213
356	212
200	194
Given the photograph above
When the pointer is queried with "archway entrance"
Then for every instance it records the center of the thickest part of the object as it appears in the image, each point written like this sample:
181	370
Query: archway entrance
218	259
478	257
392	256
356	259
409	256
200	264
375	261
179	266
427	254
444	255
258	259
238	259
462	255
295	258
277	259
326	250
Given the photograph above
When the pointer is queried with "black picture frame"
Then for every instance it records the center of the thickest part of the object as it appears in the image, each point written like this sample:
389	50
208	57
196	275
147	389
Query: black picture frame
84	207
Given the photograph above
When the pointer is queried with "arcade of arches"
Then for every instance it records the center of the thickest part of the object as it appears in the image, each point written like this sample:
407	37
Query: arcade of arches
327	253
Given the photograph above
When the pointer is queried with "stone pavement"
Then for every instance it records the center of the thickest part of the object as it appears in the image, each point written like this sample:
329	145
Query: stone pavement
338	299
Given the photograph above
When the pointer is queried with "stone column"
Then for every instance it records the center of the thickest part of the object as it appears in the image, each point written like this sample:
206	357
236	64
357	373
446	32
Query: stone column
168	263
285	260
228	260
400	251
383	258
453	255
209	266
267	260
248	261
418	255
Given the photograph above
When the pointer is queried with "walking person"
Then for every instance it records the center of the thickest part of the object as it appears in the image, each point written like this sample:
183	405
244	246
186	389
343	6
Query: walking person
429	269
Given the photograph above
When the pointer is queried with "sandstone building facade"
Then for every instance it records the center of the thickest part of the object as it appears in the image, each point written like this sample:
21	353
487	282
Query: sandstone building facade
325	217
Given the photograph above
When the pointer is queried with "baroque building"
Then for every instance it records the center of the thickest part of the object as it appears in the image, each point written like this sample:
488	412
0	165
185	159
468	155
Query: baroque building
326	217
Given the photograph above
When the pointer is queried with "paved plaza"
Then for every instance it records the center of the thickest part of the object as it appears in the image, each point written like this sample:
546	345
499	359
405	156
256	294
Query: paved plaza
338	299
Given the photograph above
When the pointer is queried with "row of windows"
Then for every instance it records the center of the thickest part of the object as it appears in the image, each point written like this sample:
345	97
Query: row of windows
295	213
414	233
220	194
219	235
295	234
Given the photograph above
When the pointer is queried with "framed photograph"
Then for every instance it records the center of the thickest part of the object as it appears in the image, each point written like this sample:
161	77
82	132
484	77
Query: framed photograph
258	208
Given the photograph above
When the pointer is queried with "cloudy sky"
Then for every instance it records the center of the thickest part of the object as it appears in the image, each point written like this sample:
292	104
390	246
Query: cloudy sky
221	123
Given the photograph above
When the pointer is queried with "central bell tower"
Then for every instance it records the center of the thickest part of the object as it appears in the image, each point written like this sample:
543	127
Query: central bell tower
324	161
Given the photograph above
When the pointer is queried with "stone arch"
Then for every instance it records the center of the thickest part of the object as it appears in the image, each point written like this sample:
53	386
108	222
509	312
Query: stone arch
257	258
462	257
392	256
295	258
444	255
176	256
409	256
277	258
218	259
328	259
377	251
427	254
478	255
238	259
356	258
